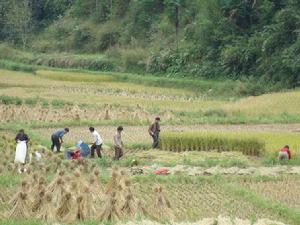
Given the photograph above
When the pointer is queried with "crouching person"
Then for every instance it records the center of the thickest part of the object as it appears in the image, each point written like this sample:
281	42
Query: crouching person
118	143
285	153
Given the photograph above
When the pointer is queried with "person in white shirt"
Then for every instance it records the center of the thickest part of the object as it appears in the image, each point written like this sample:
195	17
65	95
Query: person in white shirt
119	151
97	143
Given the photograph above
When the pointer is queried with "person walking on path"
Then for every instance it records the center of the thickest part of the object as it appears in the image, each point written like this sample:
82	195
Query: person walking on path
57	140
97	143
119	151
154	130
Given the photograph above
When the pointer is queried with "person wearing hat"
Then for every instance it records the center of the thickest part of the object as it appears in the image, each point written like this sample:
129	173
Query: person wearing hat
154	130
57	140
118	143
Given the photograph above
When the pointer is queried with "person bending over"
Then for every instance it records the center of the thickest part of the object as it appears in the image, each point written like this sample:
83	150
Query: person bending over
57	140
285	153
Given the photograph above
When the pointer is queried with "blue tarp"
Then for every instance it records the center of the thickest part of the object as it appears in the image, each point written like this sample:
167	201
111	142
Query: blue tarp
84	150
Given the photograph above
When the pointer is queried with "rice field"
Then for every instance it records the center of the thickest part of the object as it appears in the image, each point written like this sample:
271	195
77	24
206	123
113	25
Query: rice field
60	190
176	105
274	136
48	100
284	190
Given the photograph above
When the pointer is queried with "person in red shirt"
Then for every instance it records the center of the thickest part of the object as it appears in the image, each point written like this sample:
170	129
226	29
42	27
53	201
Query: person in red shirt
285	153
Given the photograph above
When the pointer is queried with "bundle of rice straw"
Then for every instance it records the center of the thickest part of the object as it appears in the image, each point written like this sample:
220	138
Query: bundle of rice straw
37	187
4	195
65	206
162	207
114	182
129	209
98	189
38	201
85	208
110	211
132	205
81	181
24	188
89	209
57	190
74	188
47	210
21	207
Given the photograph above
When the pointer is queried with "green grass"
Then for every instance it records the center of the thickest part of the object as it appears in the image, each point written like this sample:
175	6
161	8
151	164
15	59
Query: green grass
20	222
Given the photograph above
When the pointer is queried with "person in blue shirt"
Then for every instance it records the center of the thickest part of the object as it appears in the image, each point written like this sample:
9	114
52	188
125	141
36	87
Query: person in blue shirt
57	140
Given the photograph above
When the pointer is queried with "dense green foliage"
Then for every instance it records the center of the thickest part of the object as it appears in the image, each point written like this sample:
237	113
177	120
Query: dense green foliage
237	39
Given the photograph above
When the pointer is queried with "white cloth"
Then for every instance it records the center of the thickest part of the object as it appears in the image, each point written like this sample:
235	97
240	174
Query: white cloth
97	138
38	156
21	151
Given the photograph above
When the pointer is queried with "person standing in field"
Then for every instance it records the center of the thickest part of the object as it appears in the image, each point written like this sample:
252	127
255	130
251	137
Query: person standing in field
119	151
154	130
57	140
22	140
21	136
97	143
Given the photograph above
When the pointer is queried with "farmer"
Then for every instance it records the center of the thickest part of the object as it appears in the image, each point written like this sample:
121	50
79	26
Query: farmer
22	140
285	153
154	130
118	143
97	143
21	136
57	140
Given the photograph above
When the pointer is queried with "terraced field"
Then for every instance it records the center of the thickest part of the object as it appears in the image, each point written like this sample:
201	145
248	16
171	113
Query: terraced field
48	100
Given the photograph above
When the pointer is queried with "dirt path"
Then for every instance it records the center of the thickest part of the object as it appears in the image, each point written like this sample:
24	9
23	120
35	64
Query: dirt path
200	171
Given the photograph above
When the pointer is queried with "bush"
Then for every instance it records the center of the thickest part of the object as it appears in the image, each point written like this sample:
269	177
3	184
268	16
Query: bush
60	103
215	112
8	100
134	59
108	40
201	141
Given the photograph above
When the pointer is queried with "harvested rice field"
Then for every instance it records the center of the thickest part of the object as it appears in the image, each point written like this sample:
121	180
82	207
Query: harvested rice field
274	136
285	190
70	191
208	181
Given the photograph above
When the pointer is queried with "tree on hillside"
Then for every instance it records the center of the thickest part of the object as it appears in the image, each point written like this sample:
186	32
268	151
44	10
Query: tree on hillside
174	10
19	21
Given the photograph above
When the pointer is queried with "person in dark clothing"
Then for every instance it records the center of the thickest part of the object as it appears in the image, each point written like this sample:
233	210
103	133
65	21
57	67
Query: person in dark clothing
21	136
57	140
154	130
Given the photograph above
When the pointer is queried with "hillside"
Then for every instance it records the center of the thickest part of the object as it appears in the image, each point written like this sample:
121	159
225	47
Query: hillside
248	40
